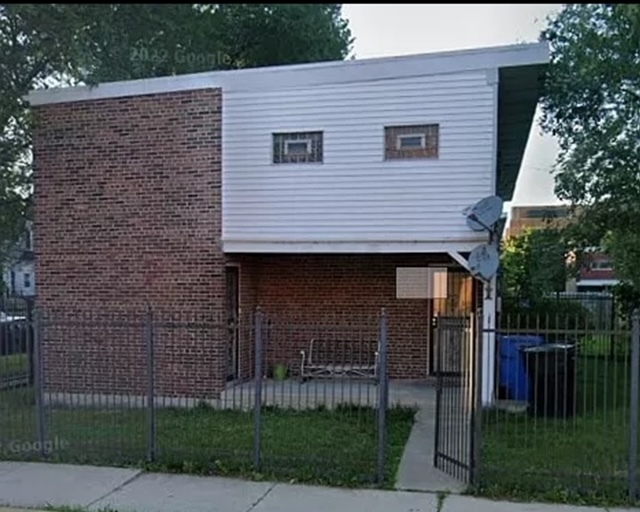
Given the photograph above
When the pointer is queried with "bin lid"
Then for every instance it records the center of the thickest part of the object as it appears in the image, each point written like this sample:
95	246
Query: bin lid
511	345
550	347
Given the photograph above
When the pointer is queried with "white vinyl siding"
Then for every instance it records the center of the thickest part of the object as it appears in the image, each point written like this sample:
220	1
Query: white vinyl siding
355	195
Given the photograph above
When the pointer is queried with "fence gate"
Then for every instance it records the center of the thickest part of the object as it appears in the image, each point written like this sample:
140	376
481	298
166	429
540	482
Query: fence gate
457	360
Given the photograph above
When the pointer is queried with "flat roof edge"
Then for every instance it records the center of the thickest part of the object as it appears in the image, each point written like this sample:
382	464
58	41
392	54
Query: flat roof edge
306	75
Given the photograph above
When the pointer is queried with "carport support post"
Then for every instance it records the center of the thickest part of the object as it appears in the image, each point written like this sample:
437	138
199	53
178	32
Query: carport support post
633	406
257	400
383	390
489	294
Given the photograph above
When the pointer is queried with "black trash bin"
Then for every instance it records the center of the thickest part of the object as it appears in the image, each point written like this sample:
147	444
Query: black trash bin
551	371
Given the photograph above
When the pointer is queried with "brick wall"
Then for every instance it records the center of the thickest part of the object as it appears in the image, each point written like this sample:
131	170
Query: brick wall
128	214
338	297
590	270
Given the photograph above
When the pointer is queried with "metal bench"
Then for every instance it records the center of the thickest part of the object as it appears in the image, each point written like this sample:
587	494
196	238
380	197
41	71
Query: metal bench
332	359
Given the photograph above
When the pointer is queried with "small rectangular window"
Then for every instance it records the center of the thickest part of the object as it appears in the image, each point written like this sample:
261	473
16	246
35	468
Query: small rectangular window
411	141
602	265
27	280
298	147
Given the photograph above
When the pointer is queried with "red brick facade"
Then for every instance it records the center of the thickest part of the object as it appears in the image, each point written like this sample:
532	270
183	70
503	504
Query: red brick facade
592	268
128	215
340	297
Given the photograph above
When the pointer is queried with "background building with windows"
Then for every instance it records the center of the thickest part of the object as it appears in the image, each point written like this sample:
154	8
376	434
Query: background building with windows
596	274
18	273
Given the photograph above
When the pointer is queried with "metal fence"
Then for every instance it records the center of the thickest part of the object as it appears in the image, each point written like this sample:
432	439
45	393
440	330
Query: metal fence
566	415
280	397
458	365
310	399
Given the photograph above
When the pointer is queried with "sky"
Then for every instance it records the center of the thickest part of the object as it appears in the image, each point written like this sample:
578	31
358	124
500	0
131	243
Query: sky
385	30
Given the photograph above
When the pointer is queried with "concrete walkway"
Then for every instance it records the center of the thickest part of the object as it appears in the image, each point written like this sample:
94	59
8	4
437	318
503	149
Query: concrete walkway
416	471
36	485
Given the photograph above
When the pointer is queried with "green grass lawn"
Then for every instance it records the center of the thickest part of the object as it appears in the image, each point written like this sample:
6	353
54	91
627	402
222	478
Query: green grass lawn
13	364
336	447
611	345
581	459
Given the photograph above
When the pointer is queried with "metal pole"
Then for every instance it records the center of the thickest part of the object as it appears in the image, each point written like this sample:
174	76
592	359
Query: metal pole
39	384
633	406
611	325
476	412
257	403
435	341
382	397
151	402
30	343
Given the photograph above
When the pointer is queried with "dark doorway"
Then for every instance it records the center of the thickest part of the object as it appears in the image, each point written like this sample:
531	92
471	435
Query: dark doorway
460	304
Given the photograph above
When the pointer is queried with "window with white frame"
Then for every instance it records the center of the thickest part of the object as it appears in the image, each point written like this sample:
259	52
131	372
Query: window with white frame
26	280
297	147
601	265
411	141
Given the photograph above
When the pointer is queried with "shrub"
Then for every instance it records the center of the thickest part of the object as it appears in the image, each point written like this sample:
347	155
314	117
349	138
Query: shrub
558	315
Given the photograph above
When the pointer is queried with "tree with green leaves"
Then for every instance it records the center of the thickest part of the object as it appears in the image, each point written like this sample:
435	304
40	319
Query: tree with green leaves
591	104
535	263
45	44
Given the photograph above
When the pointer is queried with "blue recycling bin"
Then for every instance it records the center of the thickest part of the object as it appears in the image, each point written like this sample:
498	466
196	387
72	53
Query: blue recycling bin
513	369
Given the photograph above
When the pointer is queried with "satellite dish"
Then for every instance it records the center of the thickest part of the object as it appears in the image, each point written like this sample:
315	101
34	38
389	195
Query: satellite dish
484	261
484	214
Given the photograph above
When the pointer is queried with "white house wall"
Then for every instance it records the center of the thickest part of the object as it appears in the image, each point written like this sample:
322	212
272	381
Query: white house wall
17	287
356	196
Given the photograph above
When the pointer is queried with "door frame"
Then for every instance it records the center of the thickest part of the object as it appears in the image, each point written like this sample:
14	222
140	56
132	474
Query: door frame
431	349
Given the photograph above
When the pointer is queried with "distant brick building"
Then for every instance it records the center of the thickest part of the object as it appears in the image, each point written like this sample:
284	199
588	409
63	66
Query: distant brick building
534	217
597	272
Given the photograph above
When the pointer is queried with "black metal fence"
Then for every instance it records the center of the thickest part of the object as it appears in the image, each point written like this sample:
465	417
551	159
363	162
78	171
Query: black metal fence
16	337
310	399
304	400
458	373
565	418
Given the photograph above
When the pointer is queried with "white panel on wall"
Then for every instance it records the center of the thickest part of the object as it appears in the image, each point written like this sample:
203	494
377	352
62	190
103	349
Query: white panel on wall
421	283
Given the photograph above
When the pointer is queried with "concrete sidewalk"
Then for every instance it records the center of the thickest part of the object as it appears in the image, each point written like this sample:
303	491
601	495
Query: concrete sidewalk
34	485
